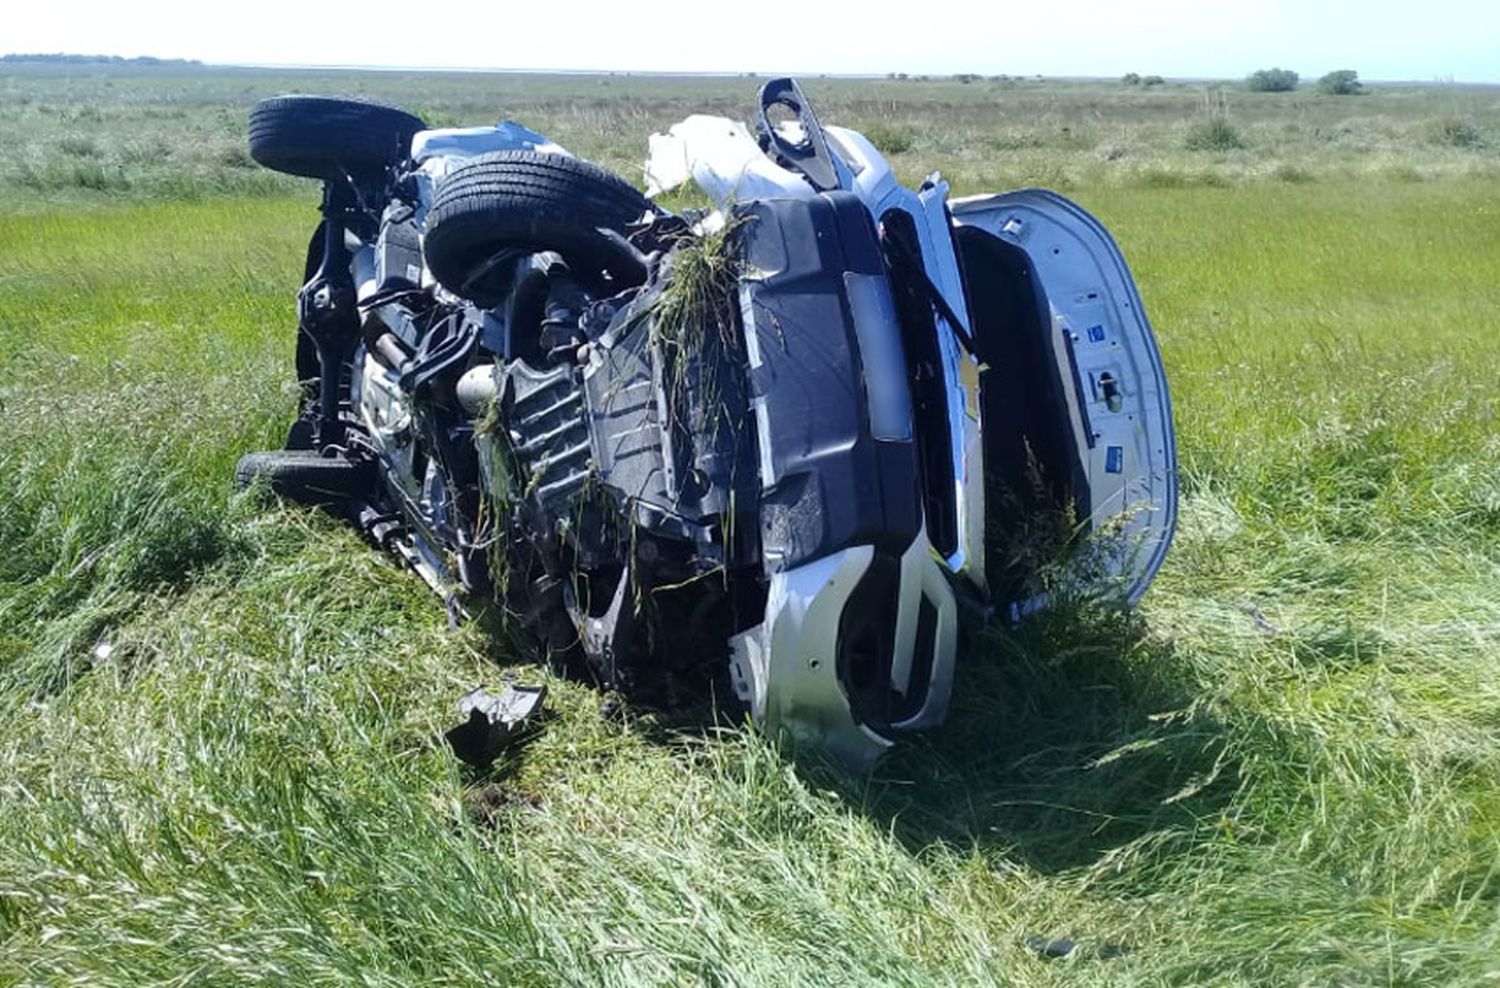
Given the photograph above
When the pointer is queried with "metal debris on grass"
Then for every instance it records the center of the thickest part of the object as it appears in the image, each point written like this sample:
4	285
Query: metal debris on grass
492	723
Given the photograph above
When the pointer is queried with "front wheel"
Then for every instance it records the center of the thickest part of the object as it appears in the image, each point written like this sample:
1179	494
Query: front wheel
536	201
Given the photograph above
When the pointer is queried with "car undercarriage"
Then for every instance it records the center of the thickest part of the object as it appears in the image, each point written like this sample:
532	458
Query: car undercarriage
794	438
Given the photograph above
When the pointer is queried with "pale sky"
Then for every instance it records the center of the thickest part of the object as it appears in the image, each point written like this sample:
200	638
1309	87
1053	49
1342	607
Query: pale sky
1381	39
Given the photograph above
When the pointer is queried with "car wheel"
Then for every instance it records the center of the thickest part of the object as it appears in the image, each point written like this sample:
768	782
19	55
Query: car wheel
322	137
304	476
534	200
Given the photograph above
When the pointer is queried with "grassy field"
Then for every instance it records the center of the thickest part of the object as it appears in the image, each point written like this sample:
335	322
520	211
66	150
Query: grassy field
219	758
73	133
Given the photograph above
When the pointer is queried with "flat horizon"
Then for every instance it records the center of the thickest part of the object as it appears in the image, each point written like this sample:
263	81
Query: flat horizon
64	58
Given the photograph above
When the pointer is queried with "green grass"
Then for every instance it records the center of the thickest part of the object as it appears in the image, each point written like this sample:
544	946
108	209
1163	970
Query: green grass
1285	769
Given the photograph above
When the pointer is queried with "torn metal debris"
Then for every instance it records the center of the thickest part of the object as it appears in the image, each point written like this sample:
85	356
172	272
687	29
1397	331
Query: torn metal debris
492	723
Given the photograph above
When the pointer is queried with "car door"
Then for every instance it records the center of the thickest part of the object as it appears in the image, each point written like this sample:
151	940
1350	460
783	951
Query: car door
1074	403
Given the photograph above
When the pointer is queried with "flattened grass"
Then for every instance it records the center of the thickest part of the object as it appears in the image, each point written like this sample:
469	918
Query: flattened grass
1283	770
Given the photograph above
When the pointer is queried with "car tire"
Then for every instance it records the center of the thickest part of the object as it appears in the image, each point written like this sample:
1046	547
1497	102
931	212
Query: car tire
304	476
536	200
323	137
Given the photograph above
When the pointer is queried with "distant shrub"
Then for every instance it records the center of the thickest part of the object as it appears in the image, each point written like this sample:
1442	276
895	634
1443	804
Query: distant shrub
1131	79
1081	139
1272	81
78	175
80	114
1291	174
1454	132
1012	140
79	147
967	77
1160	177
1117	150
890	138
235	156
1153	80
149	150
1401	172
58	58
96	178
1341	82
1215	134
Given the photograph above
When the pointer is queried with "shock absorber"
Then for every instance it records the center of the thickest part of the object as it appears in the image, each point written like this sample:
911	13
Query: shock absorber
326	313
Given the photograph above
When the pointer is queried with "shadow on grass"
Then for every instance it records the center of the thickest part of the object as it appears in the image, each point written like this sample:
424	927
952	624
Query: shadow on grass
671	693
1068	738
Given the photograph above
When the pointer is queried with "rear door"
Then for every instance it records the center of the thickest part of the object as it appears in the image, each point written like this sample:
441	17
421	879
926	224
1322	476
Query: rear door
1103	352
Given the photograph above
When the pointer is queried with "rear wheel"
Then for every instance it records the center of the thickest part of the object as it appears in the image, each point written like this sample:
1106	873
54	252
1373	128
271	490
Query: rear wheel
323	137
531	200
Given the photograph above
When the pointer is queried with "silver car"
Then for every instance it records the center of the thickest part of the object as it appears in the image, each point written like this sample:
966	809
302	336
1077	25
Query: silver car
787	442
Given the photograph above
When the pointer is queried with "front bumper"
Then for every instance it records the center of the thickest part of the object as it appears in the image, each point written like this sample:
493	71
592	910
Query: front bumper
859	635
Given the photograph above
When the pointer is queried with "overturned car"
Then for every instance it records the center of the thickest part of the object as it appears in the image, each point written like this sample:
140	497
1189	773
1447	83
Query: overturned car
793	438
